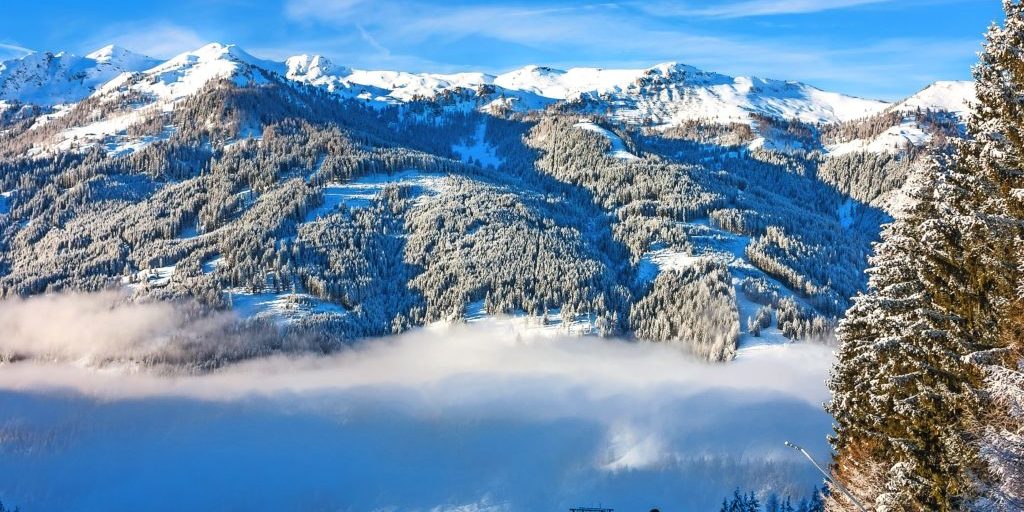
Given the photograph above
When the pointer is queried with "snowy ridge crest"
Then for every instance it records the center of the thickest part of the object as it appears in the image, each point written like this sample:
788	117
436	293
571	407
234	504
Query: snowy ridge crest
665	94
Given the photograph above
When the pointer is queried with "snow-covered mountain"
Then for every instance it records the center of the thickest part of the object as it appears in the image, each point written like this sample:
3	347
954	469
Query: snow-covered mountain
226	178
955	96
393	86
662	95
671	92
940	108
45	78
184	74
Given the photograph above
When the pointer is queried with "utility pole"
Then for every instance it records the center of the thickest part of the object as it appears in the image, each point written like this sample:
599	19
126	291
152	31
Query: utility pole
828	476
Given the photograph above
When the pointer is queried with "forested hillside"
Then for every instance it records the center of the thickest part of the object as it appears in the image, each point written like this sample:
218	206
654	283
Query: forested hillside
323	215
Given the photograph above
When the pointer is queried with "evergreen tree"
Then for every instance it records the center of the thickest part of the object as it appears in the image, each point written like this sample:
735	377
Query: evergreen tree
996	152
892	391
921	347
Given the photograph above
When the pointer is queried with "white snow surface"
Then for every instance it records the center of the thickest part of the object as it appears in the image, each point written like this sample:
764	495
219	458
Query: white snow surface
663	94
152	278
561	85
280	307
478	149
893	140
618	147
951	96
5	202
671	92
45	78
550	325
846	213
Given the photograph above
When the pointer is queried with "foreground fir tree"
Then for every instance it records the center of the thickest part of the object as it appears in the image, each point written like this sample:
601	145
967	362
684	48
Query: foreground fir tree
998	155
926	392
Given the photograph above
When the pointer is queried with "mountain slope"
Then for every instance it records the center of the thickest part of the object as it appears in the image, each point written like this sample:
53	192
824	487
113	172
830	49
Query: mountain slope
667	204
670	93
949	96
44	78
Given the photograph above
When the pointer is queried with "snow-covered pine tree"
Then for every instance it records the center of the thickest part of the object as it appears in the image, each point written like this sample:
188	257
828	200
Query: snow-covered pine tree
899	390
996	151
927	386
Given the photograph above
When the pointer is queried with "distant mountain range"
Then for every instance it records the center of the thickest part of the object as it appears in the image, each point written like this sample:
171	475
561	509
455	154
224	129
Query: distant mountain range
664	94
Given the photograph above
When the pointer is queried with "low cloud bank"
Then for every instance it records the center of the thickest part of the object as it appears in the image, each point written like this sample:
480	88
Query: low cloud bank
447	417
97	326
110	329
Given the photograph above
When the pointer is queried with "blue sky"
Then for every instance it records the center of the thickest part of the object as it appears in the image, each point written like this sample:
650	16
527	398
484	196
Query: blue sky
876	48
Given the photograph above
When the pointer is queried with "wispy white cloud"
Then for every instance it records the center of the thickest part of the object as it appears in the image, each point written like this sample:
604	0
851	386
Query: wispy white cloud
13	51
749	8
373	42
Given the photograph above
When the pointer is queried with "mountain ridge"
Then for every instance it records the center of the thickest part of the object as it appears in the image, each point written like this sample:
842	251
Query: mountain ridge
664	94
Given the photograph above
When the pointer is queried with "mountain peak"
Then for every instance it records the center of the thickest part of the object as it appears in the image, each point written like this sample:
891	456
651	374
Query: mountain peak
313	67
217	50
227	56
46	78
676	67
118	56
534	69
107	53
949	95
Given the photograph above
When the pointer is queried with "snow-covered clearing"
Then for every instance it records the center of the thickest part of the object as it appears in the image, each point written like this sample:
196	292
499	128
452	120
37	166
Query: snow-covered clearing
110	133
210	265
729	249
153	277
97	131
456	418
359	192
5	202
846	213
478	150
548	325
189	231
280	307
618	147
661	259
892	140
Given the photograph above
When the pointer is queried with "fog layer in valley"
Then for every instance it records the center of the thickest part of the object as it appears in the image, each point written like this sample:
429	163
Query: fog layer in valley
446	417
